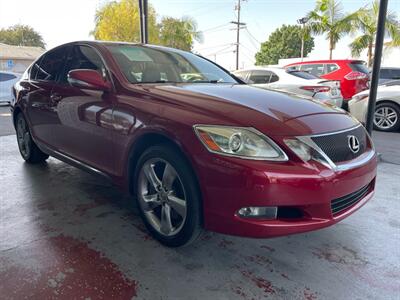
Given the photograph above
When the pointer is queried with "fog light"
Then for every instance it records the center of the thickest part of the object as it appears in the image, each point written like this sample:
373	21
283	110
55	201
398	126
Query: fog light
258	212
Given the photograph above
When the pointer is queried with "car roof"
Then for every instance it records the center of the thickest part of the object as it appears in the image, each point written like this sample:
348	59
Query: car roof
325	61
108	43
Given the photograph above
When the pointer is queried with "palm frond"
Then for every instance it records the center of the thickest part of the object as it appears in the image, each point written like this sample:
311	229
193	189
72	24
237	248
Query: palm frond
359	44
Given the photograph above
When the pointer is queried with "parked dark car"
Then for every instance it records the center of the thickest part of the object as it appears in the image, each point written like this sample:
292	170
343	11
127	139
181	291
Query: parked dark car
197	149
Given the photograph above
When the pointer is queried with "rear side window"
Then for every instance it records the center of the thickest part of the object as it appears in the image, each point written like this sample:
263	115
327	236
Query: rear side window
50	65
259	77
302	74
6	77
274	77
315	69
359	66
331	68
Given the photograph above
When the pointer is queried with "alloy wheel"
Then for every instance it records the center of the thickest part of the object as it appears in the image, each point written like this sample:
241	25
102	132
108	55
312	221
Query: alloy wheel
24	138
385	117
162	196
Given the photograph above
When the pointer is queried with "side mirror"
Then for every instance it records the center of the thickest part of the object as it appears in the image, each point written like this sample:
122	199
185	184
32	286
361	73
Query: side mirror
88	79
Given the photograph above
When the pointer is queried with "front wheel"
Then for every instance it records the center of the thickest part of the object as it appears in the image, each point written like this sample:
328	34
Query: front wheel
168	197
27	147
387	117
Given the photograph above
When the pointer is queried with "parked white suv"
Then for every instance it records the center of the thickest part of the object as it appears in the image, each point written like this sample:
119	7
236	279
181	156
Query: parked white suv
293	81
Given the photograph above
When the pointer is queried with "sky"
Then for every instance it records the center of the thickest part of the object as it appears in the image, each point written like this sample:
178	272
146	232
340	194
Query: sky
64	21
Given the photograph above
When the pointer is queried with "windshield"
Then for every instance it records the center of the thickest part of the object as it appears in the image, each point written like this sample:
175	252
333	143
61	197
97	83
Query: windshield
302	74
141	64
359	66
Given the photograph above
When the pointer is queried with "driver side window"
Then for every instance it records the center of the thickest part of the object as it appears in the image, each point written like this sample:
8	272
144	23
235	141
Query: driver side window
83	57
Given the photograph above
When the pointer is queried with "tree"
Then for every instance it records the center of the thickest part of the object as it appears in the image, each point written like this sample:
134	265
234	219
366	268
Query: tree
21	35
284	42
119	21
179	33
367	20
328	18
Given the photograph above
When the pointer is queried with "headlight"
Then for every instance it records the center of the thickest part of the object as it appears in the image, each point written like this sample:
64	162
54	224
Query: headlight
238	141
305	152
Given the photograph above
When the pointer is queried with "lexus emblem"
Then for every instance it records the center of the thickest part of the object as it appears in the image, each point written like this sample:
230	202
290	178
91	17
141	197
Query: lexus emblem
354	143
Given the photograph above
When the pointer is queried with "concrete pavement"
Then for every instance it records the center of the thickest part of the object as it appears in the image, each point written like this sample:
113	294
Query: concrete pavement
66	234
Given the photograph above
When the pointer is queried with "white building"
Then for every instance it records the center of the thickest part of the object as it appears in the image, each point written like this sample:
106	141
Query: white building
17	58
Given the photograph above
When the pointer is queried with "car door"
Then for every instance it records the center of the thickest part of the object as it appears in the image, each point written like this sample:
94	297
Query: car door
36	92
84	129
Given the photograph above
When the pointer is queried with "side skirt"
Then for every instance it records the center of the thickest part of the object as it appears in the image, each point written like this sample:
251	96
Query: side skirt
71	161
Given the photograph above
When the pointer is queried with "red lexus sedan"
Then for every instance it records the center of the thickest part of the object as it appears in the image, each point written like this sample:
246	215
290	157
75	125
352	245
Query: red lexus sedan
196	147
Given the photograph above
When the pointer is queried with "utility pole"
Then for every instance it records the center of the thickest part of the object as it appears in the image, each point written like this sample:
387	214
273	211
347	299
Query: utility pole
238	24
380	35
143	21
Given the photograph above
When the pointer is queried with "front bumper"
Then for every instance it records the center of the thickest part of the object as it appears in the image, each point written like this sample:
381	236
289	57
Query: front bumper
229	184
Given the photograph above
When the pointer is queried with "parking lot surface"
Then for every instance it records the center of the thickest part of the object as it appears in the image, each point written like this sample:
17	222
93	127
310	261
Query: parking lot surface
66	234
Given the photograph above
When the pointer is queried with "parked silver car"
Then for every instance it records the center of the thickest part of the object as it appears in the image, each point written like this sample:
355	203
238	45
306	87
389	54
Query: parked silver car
387	112
293	81
7	80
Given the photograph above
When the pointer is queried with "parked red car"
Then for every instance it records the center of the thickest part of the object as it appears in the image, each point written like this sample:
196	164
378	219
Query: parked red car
352	74
196	147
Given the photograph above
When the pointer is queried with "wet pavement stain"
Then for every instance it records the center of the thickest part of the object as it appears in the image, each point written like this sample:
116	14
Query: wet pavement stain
64	268
340	255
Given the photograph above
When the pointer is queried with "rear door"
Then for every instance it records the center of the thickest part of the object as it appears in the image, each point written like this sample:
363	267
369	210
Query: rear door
37	91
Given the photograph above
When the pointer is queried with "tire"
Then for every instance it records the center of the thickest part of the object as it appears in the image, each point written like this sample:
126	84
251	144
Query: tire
387	117
170	202
27	147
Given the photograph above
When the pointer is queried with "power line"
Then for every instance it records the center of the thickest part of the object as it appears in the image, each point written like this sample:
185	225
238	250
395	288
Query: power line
216	27
252	36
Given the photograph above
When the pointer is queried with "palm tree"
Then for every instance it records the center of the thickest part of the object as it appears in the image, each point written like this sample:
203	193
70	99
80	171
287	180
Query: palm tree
367	20
328	17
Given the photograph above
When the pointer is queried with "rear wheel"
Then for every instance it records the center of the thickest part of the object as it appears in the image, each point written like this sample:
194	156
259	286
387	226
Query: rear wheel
387	117
27	147
168	197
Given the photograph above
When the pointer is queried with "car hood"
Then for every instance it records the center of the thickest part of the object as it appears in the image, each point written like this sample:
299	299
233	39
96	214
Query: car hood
242	104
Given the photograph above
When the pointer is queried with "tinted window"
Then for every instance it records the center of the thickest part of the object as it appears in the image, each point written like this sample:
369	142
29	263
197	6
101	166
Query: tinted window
151	64
6	77
293	68
331	68
273	78
389	73
260	77
303	75
50	65
359	66
315	69
82	57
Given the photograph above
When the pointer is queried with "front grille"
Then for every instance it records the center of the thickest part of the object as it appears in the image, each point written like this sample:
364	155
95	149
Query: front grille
336	145
340	204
